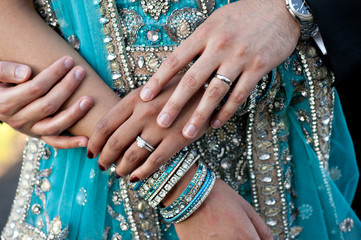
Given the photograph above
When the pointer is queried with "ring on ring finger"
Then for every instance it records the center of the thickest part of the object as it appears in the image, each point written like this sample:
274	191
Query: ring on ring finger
144	144
224	79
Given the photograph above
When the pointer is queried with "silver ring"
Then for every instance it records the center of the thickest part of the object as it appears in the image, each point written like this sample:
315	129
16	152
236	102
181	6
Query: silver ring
143	144
224	79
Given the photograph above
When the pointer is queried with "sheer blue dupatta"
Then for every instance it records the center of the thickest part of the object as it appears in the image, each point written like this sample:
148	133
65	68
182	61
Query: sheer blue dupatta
324	197
79	190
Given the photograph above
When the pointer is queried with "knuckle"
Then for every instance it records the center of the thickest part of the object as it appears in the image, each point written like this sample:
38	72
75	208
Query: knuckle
173	105
5	109
57	71
48	108
114	144
102	127
243	50
171	61
215	92
259	62
17	124
36	89
223	41
238	97
225	114
52	131
132	157
69	85
199	116
189	80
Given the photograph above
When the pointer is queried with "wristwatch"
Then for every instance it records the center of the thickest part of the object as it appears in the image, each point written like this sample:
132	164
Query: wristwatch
302	13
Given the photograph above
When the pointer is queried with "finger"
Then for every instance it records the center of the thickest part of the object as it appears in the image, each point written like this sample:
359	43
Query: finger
165	150
53	126
23	94
14	72
135	155
52	101
262	229
238	96
66	142
175	62
190	83
118	142
108	124
211	98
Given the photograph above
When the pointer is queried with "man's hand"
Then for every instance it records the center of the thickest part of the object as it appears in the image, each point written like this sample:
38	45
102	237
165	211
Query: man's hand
242	41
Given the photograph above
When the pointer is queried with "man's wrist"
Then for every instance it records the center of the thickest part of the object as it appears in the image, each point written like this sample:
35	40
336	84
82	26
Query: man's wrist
302	14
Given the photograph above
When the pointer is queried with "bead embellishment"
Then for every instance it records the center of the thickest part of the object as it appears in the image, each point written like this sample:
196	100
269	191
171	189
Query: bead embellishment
346	225
243	151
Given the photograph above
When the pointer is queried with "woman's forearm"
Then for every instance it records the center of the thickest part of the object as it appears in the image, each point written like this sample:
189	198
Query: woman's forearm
26	38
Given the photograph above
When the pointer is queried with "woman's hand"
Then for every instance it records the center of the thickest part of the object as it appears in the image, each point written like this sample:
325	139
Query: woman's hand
242	41
28	105
223	215
115	134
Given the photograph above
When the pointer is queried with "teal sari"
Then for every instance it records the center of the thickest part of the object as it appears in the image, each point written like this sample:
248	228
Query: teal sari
290	155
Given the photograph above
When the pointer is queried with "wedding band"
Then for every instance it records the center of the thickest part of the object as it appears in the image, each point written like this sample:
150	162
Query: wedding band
224	79
143	144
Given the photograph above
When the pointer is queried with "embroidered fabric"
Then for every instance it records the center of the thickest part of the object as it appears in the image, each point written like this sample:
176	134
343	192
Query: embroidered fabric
289	155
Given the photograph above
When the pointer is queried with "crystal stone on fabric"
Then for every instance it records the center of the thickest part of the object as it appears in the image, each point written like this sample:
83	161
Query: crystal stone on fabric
246	151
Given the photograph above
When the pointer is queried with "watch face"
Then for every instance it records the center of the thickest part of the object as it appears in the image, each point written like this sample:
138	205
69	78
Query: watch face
301	7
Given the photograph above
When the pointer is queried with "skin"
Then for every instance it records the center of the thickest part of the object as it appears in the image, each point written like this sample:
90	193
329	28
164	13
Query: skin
24	102
42	41
242	41
258	35
113	130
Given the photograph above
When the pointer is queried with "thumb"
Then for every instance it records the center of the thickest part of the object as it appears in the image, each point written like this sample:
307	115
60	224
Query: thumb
14	72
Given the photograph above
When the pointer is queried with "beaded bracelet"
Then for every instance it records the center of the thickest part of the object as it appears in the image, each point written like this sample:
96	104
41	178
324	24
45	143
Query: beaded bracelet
187	195
173	177
196	201
173	166
153	182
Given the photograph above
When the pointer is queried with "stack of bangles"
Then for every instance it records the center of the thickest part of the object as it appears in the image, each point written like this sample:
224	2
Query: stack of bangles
154	188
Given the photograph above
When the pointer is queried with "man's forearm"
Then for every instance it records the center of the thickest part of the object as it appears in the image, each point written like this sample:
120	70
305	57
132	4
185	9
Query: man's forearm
27	39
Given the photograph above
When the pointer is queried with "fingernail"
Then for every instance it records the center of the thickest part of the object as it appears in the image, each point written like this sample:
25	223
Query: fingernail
216	124
164	120
190	130
146	94
68	63
90	155
21	72
134	179
79	74
81	144
85	104
101	167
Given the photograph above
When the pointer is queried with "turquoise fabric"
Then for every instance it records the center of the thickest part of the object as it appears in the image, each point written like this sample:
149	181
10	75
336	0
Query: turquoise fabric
324	202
